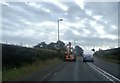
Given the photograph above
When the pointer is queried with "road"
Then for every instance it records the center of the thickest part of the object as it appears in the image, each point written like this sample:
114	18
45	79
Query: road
76	71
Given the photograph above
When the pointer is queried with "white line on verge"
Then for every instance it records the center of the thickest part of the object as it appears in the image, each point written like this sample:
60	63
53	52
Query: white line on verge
45	76
100	72
54	74
106	72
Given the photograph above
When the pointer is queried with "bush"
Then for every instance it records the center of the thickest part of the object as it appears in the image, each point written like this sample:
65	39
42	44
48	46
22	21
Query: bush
16	56
110	53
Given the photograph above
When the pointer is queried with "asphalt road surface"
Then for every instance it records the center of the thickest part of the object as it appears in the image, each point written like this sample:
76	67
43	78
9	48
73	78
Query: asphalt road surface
77	71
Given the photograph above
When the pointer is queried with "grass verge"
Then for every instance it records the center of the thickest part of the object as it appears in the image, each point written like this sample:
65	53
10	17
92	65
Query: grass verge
26	69
0	76
109	59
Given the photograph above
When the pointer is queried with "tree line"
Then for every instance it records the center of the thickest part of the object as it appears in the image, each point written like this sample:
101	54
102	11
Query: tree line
16	56
109	53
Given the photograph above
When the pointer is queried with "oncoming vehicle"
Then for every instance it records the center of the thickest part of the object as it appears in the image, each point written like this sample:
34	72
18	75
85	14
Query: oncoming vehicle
88	58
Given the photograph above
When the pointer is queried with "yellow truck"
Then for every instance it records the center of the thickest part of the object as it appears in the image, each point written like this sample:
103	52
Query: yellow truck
69	57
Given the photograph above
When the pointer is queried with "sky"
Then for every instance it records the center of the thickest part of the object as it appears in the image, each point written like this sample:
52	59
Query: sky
87	24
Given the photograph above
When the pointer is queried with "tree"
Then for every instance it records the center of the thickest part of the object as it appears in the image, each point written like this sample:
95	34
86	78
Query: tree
60	44
51	45
79	50
41	45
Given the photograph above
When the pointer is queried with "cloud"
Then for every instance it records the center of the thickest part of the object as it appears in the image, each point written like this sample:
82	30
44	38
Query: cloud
88	12
88	23
76	32
97	17
4	3
60	5
80	3
33	4
109	36
99	28
46	24
113	27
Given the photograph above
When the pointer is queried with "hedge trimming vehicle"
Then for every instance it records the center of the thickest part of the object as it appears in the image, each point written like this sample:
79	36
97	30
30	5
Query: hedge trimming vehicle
69	57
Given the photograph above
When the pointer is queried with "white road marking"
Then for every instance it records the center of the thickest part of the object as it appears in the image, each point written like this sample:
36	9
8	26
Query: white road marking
106	72
101	73
54	74
49	74
45	76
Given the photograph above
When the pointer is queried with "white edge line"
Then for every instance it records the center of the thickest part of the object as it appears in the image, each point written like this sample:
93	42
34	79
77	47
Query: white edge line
45	76
54	74
106	73
101	72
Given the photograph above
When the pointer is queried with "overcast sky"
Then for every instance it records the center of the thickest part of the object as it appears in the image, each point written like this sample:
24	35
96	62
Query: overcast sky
89	24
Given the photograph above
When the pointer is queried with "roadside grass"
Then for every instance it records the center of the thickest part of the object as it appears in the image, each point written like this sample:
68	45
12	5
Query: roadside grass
13	74
0	76
109	59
